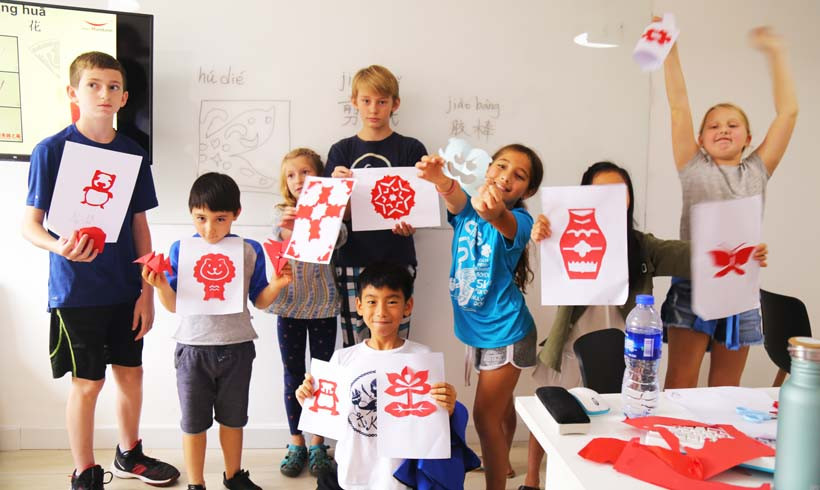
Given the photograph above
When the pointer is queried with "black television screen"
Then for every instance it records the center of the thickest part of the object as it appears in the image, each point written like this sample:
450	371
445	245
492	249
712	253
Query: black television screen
38	43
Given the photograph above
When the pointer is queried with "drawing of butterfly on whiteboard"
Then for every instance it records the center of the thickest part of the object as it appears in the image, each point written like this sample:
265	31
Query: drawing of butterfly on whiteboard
731	260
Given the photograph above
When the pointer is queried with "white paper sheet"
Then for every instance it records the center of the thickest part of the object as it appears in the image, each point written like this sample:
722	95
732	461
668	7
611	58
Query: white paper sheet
211	278
717	405
585	262
411	423
384	197
325	413
93	188
725	278
319	213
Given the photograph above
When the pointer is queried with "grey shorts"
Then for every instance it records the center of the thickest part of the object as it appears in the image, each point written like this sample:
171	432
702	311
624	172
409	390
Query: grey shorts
520	354
213	383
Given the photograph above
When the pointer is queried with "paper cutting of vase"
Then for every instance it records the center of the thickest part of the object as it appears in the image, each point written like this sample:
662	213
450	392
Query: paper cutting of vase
584	261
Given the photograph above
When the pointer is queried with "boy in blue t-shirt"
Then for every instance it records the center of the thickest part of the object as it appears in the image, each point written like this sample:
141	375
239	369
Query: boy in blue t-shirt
100	308
215	353
376	97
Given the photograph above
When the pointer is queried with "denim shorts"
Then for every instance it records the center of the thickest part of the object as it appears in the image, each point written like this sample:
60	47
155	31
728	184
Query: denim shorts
676	312
213	383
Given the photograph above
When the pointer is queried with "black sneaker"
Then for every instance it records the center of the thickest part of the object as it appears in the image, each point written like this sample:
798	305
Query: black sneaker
90	479
135	464
196	487
241	481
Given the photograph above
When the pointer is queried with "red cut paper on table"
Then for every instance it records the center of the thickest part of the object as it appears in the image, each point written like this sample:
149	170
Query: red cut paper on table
670	468
95	234
158	263
409	382
325	397
730	260
99	192
582	245
214	271
275	250
392	197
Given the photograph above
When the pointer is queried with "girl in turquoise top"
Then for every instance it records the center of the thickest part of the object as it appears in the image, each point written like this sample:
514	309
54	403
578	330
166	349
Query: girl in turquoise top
487	278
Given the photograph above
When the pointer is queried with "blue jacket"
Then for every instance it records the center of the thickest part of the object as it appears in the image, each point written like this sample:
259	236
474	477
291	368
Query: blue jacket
443	474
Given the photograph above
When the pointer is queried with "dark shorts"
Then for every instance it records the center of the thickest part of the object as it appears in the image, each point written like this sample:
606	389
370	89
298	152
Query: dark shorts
676	312
82	341
213	383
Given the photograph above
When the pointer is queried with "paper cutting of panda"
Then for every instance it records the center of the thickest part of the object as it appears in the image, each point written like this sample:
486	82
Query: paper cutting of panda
99	192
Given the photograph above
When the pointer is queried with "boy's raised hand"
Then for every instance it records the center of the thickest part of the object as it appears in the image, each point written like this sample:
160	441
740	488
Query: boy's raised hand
81	250
305	390
765	39
445	396
431	169
403	229
540	229
341	172
154	279
284	277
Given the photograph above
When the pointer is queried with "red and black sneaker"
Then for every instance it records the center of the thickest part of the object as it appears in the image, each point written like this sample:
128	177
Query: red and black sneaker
91	479
135	464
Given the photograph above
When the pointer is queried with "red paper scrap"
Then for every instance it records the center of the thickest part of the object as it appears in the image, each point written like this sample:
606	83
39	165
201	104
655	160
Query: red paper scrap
155	262
275	250
95	234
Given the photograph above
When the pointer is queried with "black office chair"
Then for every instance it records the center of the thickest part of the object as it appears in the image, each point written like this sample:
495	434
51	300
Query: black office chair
783	317
601	358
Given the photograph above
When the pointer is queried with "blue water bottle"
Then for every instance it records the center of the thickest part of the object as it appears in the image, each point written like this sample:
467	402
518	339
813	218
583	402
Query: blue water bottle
642	355
797	458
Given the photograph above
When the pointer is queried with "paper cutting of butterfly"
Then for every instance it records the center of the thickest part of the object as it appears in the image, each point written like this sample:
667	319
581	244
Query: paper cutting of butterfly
731	260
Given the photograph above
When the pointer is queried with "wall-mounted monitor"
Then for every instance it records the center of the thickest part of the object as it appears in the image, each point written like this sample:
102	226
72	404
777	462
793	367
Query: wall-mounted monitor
38	42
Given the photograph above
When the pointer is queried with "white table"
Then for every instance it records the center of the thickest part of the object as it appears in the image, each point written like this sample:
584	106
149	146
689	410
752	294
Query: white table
567	470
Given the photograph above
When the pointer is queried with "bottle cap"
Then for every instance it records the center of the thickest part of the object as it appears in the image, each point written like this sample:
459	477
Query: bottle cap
645	299
805	348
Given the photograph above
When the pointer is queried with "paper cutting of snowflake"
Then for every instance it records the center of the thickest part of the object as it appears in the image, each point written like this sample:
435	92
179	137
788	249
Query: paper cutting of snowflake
393	197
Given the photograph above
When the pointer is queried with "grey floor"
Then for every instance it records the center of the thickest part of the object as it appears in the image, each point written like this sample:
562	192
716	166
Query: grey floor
49	470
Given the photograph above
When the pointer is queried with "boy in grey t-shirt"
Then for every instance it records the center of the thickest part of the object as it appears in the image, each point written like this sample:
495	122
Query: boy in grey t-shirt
214	353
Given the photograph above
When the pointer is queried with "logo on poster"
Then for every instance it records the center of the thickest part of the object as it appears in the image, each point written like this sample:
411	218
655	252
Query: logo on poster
99	192
214	271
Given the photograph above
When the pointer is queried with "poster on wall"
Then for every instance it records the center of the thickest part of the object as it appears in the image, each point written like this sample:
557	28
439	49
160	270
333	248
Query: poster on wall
584	261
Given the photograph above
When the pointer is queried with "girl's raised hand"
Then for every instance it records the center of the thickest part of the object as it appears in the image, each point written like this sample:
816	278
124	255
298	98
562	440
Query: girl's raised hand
540	229
765	39
431	169
305	390
760	254
488	202
288	216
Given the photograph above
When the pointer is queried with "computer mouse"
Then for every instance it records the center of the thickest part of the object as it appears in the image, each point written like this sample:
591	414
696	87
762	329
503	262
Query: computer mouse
592	402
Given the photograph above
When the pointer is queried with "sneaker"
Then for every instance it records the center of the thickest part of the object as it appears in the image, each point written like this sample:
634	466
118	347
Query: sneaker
294	462
320	462
196	487
90	479
241	481
135	464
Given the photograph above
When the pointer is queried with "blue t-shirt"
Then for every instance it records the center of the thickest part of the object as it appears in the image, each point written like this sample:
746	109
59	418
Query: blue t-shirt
365	247
488	308
112	277
259	278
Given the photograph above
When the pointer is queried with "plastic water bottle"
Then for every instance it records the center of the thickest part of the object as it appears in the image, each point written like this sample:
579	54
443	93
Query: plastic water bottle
642	355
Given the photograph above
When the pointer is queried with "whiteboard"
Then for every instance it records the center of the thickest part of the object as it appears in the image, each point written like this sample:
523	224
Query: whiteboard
499	72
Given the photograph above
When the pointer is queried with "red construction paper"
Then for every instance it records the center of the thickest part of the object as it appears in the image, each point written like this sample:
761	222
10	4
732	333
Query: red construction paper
95	234
669	467
275	250
155	262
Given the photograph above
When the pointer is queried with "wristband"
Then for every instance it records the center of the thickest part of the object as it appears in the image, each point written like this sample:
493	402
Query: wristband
450	190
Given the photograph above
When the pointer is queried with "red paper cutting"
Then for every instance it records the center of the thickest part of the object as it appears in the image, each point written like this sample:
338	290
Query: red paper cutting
409	382
99	192
325	397
214	271
95	234
583	245
158	263
392	197
275	250
663	36
730	260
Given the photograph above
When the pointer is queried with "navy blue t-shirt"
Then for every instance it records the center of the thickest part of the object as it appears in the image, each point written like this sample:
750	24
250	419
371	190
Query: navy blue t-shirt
112	277
365	247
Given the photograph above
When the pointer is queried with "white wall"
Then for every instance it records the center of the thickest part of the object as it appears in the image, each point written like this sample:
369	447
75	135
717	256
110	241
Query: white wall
574	108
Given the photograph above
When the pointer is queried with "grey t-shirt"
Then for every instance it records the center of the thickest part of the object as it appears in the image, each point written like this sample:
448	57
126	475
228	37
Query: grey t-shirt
703	180
222	329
